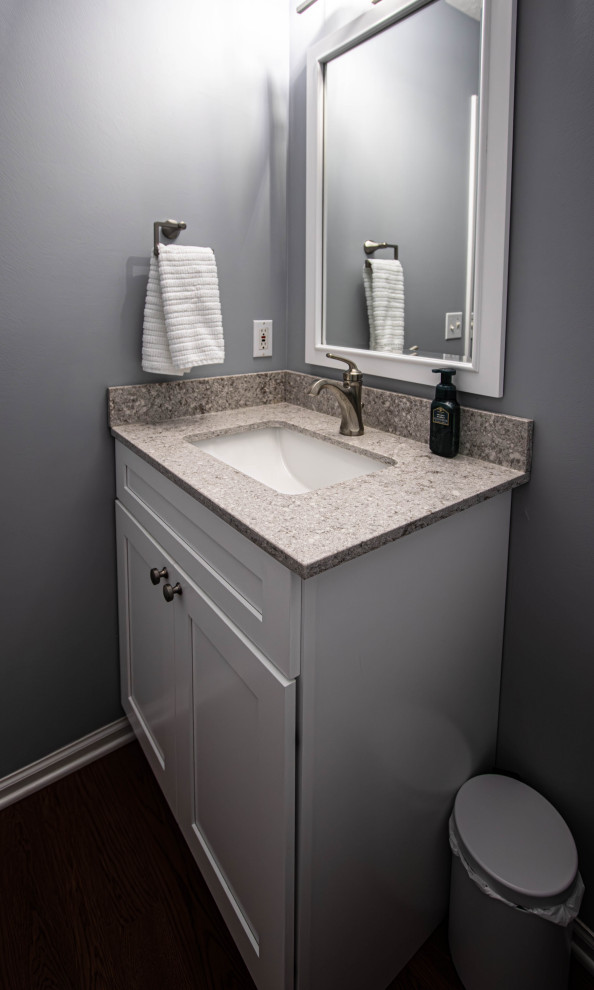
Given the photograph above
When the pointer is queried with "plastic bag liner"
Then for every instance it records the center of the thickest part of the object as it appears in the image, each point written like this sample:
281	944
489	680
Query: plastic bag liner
560	914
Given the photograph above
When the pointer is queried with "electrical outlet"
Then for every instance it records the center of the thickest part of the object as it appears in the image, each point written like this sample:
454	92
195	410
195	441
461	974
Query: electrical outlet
453	326
262	338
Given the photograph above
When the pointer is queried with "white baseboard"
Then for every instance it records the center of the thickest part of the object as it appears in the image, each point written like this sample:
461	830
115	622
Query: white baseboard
22	783
583	945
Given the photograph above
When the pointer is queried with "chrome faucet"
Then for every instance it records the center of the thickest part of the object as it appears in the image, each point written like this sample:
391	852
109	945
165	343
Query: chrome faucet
348	395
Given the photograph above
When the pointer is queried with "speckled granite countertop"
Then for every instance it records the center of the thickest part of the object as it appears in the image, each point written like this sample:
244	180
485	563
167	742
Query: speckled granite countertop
314	531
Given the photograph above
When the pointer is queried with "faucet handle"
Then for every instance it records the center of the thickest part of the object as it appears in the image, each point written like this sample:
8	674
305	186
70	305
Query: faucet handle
352	374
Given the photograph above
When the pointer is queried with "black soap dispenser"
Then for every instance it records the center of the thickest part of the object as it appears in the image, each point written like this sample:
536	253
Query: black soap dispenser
444	434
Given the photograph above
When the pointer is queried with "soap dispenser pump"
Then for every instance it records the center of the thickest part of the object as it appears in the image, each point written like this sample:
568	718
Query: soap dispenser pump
444	434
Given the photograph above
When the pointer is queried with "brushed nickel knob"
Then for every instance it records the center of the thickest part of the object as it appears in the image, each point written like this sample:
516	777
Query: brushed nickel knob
169	592
156	574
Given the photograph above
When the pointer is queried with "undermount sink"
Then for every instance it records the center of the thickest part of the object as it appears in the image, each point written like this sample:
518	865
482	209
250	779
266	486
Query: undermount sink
289	461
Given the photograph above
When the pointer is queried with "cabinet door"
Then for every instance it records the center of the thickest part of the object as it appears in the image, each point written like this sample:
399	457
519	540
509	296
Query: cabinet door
147	643
237	800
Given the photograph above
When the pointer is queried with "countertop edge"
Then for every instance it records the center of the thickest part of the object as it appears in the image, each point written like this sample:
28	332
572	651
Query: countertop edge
423	522
305	571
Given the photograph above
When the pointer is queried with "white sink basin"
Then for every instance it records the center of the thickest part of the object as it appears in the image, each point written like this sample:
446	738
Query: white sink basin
289	461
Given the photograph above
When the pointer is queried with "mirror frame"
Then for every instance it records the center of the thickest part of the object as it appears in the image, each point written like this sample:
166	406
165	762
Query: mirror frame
484	375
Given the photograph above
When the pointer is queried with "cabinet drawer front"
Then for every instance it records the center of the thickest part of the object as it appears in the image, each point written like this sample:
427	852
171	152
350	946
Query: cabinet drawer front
260	595
238	811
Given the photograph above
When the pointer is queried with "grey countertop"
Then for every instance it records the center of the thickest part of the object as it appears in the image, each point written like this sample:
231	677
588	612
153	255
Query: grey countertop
314	531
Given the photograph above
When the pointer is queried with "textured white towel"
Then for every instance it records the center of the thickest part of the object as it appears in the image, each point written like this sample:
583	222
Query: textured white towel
182	327
384	292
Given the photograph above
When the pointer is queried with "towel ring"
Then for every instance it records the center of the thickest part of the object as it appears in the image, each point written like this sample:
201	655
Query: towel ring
170	228
370	246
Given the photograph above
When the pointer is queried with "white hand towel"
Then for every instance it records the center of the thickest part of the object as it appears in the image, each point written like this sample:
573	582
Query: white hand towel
182	327
384	293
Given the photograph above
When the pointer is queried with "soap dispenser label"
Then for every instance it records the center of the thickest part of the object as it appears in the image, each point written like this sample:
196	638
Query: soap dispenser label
441	416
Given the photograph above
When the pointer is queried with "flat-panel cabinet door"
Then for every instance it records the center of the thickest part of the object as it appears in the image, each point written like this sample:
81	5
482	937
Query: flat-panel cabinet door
238	810
147	645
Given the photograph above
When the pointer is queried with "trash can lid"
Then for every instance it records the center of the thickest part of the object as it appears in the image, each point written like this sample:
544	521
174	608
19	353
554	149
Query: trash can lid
515	840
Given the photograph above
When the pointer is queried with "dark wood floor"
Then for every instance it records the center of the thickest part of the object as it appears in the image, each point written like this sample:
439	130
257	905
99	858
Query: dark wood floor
99	892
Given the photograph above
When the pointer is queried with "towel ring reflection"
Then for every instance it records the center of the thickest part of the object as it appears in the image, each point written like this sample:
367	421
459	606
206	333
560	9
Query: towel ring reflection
370	246
170	228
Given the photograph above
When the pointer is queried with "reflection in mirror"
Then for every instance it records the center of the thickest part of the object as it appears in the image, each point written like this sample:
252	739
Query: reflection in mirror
399	167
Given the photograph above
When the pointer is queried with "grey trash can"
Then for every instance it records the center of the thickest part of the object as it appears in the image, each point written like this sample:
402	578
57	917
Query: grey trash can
515	887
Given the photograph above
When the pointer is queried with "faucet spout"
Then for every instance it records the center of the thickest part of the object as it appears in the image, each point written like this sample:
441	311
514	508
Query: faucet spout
322	383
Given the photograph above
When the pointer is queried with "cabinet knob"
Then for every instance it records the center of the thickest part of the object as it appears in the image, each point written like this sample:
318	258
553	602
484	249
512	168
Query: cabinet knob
156	574
169	592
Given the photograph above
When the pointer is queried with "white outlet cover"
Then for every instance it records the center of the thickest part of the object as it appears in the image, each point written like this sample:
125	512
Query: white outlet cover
262	338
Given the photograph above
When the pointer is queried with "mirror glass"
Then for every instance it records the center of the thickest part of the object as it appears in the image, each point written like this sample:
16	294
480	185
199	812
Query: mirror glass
409	124
400	115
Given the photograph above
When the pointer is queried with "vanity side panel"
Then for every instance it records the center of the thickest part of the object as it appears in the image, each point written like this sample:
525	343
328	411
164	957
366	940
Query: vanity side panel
399	704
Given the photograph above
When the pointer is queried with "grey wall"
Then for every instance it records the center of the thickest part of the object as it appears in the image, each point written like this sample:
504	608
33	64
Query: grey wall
113	115
547	724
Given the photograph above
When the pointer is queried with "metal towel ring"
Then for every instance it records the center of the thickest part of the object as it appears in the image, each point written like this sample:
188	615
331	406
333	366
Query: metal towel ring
170	228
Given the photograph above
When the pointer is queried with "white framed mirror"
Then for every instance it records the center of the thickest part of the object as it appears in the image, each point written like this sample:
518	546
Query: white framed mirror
409	135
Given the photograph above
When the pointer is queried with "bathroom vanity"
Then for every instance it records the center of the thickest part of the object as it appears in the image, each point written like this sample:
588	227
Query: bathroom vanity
311	676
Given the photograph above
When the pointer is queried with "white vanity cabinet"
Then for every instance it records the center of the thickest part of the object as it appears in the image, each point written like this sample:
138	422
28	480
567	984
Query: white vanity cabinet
215	718
310	735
